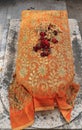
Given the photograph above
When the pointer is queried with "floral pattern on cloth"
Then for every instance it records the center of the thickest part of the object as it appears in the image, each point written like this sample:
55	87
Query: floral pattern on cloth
42	83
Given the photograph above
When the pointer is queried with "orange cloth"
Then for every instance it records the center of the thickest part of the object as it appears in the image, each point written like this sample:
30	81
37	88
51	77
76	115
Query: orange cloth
42	83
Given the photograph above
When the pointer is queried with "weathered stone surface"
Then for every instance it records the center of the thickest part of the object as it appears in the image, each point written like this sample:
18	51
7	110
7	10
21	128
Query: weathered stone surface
47	119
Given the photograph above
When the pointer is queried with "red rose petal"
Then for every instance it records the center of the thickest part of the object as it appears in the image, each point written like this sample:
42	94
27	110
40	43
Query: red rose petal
42	34
44	43
54	40
35	48
42	54
55	32
38	46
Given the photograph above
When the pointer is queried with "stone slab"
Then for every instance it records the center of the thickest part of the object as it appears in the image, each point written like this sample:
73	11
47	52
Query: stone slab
47	119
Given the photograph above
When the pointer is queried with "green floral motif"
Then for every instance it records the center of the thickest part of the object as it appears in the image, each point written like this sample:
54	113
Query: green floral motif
42	70
25	38
61	71
23	72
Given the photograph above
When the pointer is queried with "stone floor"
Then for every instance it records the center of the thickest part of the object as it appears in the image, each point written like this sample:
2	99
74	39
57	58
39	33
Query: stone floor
74	8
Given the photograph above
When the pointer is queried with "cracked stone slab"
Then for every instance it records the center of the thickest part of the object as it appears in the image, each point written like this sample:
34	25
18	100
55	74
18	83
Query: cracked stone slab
45	119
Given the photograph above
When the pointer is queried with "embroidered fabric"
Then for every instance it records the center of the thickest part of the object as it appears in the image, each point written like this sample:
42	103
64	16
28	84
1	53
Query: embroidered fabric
42	83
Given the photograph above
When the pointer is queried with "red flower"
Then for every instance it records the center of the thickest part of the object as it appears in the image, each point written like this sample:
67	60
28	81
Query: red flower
35	48
38	46
45	43
42	34
55	32
49	27
42	54
54	40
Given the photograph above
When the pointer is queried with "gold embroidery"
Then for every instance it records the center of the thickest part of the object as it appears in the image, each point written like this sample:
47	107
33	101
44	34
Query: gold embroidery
18	96
44	72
